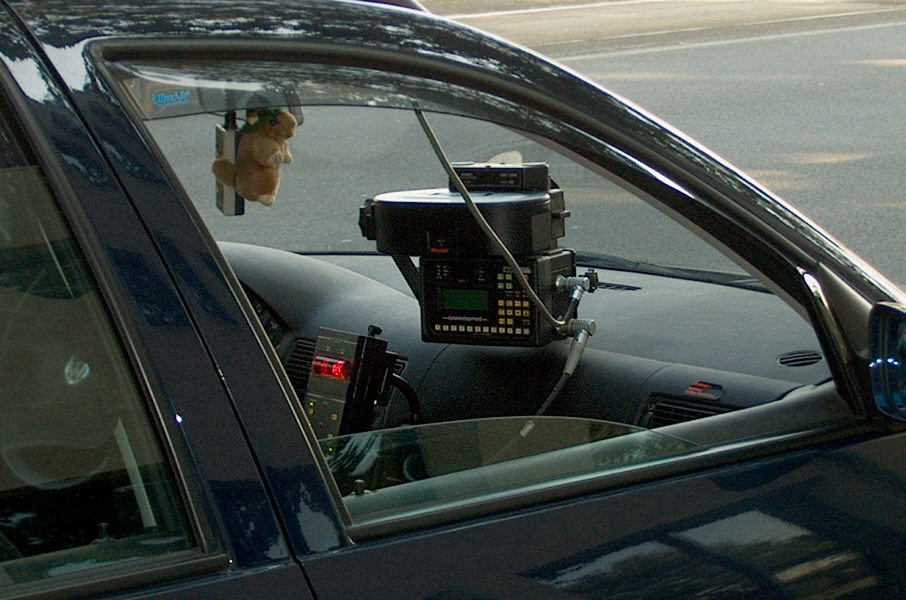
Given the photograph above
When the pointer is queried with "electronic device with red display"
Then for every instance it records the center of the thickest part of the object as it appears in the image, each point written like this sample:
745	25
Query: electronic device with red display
350	379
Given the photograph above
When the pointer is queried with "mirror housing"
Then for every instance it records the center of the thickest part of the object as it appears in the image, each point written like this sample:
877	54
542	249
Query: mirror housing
887	358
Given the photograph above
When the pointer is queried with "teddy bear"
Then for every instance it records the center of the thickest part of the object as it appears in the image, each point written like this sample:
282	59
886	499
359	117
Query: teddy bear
262	150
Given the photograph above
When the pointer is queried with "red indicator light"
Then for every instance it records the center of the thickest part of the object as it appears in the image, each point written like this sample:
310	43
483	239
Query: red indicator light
703	389
334	368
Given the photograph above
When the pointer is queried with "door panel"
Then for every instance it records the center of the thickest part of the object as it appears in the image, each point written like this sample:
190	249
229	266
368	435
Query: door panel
800	526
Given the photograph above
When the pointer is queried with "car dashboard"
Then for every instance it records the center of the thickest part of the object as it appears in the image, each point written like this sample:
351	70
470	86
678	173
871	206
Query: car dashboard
666	350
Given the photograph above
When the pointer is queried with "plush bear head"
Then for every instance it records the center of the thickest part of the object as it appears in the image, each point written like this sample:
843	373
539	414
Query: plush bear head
275	123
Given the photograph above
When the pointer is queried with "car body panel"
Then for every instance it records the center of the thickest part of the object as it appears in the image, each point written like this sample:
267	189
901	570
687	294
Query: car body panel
235	521
783	517
749	527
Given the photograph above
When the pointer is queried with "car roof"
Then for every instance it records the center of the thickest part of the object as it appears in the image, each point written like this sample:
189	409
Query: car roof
62	24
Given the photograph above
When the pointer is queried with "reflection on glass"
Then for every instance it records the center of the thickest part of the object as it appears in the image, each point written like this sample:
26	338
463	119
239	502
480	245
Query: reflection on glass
465	461
749	554
83	482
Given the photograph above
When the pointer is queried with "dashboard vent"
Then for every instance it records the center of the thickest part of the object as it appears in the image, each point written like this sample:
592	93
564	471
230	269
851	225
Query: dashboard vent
298	364
799	358
667	411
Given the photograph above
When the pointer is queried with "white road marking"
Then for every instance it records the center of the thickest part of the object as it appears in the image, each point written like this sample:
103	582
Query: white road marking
543	9
715	43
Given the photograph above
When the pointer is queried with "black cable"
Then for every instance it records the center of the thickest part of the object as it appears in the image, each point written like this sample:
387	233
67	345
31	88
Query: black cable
411	396
564	377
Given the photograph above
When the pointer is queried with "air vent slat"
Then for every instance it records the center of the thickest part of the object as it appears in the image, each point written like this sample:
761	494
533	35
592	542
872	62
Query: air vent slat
799	358
667	411
617	287
298	364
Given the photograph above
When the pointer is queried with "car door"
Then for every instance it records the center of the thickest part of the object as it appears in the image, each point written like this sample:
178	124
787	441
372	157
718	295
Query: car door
783	500
761	505
788	499
124	471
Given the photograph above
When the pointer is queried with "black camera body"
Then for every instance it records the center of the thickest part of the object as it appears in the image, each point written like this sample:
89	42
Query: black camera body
468	292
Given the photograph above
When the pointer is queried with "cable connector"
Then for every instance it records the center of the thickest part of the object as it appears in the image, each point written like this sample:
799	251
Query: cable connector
587	282
575	326
576	347
577	287
562	283
581	330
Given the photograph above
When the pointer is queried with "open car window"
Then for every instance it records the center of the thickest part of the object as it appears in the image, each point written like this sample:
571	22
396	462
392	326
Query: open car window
359	137
357	289
468	462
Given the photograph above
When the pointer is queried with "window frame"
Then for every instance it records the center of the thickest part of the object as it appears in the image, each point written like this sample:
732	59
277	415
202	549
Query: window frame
832	424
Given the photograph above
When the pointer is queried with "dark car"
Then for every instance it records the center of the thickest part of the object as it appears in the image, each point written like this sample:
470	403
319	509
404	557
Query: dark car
500	334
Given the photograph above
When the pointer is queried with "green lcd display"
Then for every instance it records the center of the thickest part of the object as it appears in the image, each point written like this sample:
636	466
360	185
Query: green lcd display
458	299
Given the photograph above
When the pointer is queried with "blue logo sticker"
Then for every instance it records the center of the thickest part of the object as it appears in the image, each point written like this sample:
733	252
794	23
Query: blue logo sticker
166	99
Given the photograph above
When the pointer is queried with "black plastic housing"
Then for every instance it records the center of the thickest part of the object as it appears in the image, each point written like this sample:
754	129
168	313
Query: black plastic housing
466	300
437	222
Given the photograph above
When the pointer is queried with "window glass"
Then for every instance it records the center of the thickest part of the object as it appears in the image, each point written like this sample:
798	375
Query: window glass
682	331
83	482
332	175
474	461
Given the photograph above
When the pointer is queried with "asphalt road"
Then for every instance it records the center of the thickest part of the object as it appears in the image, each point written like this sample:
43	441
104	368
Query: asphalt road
808	97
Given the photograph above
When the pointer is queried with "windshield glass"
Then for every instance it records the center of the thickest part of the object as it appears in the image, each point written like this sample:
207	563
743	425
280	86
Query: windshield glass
359	137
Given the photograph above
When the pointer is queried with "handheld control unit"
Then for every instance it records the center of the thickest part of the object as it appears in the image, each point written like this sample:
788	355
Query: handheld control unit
469	300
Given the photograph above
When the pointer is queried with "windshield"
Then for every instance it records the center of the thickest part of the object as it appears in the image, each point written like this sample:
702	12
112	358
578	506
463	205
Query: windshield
358	137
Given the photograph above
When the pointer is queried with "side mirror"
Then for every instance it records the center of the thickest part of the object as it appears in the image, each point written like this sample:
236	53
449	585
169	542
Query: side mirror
887	347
